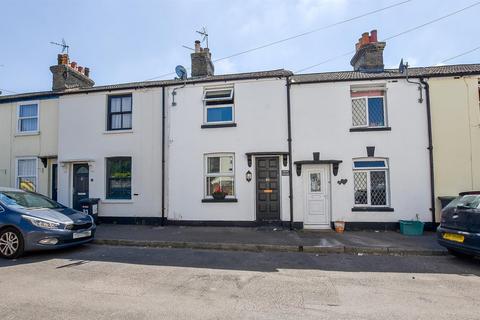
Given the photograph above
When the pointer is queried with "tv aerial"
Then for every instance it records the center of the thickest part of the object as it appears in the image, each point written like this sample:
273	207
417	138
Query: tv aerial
181	72
64	45
402	66
204	33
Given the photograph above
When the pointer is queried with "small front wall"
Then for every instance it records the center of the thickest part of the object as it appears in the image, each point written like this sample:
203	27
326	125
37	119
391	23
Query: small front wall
260	115
321	122
14	145
84	139
456	135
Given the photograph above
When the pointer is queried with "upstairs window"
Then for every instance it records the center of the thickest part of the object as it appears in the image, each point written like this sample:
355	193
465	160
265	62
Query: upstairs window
368	108
370	180
28	118
218	106
119	112
219	174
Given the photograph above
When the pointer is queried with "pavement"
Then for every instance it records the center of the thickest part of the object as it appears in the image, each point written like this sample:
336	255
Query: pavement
269	239
114	282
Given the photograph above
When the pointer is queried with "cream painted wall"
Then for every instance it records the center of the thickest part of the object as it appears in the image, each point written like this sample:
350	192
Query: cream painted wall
14	145
83	138
456	135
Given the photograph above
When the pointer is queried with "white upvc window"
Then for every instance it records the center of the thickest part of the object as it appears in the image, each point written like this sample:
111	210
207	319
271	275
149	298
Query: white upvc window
218	106
368	108
28	118
371	182
220	174
26	173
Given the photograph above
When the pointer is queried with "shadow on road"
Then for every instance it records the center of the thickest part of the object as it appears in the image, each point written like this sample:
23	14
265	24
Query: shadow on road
250	261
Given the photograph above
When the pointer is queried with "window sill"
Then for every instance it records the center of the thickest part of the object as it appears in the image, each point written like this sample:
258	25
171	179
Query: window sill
113	201
370	129
219	125
22	134
118	131
209	200
373	209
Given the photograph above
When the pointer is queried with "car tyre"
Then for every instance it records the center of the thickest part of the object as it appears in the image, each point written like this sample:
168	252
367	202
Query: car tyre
11	243
459	254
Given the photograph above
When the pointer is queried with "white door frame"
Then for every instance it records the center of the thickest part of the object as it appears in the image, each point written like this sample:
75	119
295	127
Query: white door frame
328	189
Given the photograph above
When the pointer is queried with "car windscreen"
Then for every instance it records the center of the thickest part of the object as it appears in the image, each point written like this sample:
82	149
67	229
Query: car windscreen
468	201
27	200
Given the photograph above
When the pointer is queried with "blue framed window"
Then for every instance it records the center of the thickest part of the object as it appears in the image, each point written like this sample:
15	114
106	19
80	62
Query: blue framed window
368	111
219	106
371	182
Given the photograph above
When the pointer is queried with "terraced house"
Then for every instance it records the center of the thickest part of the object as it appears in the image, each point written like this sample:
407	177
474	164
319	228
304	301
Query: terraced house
251	148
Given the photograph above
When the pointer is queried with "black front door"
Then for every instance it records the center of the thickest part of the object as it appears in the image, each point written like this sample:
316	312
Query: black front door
54	181
268	192
80	184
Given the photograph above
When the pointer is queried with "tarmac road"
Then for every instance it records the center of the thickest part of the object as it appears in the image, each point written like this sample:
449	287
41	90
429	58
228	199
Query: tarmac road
106	282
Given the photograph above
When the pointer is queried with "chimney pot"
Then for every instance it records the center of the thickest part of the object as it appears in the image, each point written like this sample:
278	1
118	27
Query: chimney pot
80	69
86	71
369	53
73	65
373	36
198	48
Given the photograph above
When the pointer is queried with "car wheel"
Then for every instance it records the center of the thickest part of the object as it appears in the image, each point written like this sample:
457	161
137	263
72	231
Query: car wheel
459	254
11	243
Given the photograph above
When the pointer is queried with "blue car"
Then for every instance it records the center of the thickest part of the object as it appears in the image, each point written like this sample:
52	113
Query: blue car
459	229
30	221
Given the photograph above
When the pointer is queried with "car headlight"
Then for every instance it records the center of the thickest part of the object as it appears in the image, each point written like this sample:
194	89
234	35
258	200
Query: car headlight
41	223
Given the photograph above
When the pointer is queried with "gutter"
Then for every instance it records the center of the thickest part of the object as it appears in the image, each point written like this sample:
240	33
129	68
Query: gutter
290	160
430	147
162	222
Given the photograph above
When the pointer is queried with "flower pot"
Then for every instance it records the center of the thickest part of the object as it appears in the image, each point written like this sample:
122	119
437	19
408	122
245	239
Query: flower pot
339	226
219	195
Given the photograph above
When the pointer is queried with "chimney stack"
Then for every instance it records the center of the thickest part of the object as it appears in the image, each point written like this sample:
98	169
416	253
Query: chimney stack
68	75
202	65
369	53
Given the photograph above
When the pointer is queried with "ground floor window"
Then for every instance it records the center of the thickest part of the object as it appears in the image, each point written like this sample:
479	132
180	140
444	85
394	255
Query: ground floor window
27	174
119	178
219	174
370	179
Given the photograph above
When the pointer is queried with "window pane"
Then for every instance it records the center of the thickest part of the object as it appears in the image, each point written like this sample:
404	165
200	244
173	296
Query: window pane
375	112
219	114
127	121
360	187
220	164
30	110
225	183
27	167
126	104
218	94
378	193
115	104
28	124
315	182
116	122
27	183
359	113
119	176
369	164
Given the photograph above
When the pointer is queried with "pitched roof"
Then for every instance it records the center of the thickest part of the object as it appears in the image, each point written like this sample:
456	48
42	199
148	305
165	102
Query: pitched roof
426	72
149	84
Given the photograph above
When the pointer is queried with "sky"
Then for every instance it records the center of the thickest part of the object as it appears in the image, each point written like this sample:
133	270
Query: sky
126	40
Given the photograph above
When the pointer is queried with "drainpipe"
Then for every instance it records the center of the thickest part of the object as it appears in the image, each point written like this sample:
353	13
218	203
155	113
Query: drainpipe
290	160
162	222
430	147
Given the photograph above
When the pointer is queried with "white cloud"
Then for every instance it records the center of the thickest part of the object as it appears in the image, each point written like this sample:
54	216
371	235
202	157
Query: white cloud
311	10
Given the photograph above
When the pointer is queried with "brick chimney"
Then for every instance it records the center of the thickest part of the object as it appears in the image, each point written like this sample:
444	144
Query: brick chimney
68	75
202	65
369	53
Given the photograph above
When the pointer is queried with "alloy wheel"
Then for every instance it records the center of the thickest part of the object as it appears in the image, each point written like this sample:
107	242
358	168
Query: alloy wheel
9	243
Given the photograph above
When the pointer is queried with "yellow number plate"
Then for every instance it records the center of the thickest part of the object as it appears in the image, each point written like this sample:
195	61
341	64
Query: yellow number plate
453	237
267	191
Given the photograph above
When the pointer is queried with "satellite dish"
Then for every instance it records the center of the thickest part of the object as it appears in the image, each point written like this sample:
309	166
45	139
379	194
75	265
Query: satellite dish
181	72
402	66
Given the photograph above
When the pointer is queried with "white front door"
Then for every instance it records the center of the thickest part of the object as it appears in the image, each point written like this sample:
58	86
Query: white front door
317	194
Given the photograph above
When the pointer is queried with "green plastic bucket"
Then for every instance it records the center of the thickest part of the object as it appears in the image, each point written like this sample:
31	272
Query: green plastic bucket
411	227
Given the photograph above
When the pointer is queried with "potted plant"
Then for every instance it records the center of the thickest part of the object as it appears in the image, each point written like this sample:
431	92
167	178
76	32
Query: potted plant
218	193
339	226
